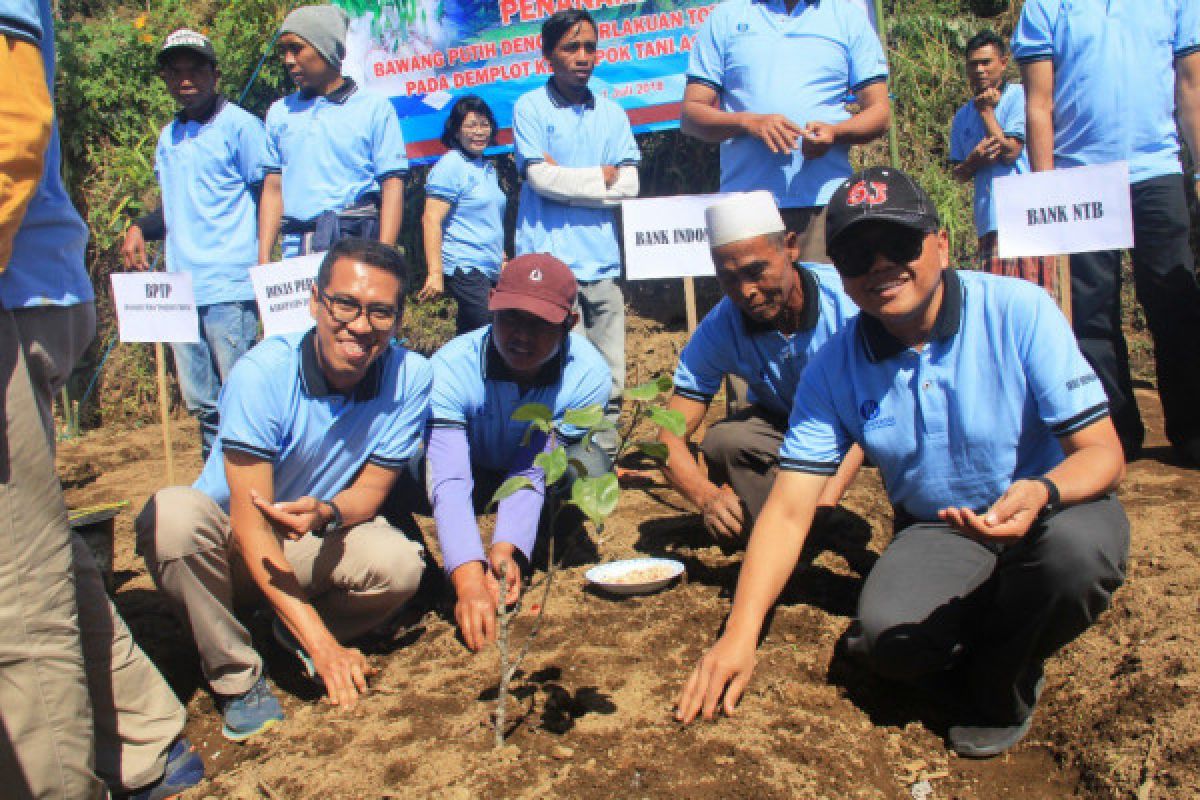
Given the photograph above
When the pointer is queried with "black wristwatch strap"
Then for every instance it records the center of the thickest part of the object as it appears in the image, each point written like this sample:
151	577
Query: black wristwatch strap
334	523
1053	499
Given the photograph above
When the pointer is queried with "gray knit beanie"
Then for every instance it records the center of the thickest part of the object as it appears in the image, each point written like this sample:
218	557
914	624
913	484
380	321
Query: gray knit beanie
324	27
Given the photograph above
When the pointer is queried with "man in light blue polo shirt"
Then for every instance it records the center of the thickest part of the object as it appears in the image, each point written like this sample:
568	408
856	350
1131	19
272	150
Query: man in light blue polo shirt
335	153
579	159
992	436
527	355
210	164
776	314
768	79
85	713
315	429
1103	82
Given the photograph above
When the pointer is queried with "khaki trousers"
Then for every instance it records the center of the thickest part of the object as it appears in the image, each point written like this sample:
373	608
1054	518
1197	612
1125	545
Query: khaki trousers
79	701
356	579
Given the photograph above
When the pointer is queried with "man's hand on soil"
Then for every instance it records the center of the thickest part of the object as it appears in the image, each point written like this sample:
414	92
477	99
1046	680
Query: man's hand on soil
502	553
475	608
722	513
724	670
343	670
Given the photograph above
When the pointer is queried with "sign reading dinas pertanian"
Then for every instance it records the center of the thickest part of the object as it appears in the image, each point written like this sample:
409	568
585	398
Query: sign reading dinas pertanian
424	54
283	290
667	237
1076	210
155	307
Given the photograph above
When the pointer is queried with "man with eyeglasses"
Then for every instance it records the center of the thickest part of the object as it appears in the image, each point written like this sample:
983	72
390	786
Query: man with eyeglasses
993	439
776	313
315	429
527	355
210	161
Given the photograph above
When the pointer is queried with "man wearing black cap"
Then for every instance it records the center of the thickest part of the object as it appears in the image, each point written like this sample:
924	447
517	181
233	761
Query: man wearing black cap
992	435
527	355
210	162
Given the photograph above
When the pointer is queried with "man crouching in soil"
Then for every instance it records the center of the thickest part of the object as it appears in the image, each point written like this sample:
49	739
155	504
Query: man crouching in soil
992	435
315	428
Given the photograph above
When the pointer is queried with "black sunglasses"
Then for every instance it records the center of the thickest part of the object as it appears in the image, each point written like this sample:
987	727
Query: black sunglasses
854	255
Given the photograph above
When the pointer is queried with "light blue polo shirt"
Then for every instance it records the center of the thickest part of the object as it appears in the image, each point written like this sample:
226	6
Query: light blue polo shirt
208	171
763	60
473	389
21	20
954	424
1114	77
277	406
967	131
726	342
333	151
47	266
473	233
593	133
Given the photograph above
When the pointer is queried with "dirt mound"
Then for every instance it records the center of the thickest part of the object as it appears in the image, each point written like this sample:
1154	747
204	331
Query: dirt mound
592	712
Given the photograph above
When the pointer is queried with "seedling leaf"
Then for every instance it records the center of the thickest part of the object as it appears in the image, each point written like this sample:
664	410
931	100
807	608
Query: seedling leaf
672	420
554	464
656	450
510	487
596	497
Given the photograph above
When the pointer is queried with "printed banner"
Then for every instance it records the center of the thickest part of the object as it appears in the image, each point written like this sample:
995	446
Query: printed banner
282	291
1076	210
155	307
666	237
424	54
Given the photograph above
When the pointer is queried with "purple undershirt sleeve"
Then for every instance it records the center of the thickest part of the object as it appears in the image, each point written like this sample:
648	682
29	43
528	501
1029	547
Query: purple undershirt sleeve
518	515
448	472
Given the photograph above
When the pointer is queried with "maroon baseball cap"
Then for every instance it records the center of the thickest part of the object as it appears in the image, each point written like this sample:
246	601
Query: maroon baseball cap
537	283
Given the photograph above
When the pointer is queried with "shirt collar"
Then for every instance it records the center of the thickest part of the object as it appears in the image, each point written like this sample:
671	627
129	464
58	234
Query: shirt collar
315	384
881	345
338	96
805	2
220	103
496	369
556	97
810	312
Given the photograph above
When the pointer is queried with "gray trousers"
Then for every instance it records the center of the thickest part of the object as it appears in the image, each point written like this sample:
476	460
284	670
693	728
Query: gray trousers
742	450
356	579
936	600
602	321
80	703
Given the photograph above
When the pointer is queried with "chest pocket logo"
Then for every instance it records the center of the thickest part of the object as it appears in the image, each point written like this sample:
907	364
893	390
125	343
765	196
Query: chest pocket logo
869	410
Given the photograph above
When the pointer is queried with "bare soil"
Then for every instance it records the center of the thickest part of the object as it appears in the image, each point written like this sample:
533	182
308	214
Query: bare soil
1119	718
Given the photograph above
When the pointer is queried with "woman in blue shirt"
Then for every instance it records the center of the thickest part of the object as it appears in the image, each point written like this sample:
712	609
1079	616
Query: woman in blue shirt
464	215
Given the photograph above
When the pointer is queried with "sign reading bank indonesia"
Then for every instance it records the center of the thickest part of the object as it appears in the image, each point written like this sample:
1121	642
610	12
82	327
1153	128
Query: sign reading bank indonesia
1074	210
424	54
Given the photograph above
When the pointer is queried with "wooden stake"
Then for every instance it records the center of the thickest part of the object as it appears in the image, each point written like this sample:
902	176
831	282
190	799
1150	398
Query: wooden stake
164	408
689	300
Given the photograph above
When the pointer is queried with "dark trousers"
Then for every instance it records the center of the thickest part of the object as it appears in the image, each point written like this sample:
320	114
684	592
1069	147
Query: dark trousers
936	600
742	450
470	289
1165	282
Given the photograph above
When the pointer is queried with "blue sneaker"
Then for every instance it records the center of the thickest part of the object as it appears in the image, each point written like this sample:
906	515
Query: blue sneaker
184	770
250	713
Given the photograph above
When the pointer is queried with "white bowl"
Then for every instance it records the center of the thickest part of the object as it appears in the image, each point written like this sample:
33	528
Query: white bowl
609	576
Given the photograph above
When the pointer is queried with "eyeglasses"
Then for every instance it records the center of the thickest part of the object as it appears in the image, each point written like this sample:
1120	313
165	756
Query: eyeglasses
855	255
345	310
476	126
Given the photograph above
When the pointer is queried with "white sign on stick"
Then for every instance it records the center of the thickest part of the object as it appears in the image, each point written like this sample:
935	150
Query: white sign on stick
1075	210
155	307
283	290
666	237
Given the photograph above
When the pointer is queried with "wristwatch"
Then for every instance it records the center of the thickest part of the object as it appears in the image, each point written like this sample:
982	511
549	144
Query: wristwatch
1053	498
334	523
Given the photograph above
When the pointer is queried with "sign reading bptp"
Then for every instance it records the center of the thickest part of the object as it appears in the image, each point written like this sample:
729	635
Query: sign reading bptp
666	237
155	307
1076	210
283	291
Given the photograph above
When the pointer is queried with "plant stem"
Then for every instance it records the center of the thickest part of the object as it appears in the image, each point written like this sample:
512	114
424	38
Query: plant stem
502	643
537	622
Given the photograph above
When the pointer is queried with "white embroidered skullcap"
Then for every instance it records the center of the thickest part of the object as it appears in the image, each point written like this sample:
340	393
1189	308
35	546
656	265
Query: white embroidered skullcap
742	216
